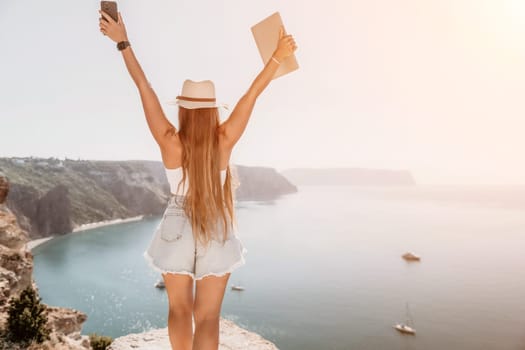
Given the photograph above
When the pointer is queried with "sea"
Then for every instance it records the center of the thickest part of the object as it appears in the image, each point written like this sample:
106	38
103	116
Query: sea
324	270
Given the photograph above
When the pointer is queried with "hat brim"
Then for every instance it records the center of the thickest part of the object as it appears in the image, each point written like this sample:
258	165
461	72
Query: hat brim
196	104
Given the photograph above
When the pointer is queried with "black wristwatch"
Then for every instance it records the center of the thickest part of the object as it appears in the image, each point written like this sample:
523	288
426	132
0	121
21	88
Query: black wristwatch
122	45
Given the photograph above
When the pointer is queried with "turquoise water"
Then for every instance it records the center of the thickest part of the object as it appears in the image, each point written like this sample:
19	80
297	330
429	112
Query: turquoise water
323	270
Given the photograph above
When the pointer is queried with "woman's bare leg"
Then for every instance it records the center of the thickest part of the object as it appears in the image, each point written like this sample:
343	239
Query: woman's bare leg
209	294
180	296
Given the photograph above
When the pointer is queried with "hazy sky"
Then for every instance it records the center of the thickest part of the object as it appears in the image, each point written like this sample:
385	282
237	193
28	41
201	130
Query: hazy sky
433	86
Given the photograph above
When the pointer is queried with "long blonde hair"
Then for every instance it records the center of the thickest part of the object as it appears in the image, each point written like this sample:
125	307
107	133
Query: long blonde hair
206	202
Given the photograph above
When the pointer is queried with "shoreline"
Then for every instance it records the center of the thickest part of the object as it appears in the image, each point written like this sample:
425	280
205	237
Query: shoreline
96	224
38	241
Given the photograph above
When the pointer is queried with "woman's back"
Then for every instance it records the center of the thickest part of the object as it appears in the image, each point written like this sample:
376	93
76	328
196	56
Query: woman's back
174	176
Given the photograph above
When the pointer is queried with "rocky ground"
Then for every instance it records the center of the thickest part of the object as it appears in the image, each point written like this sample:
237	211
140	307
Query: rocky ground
232	337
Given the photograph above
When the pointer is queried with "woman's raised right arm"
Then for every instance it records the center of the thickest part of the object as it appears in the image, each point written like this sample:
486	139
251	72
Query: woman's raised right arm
158	124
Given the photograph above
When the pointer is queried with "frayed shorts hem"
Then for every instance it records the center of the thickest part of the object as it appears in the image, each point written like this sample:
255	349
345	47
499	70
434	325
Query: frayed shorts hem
238	263
235	265
152	264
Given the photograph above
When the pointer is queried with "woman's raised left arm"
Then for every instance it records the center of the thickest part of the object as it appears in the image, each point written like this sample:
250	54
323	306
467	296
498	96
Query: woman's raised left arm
234	126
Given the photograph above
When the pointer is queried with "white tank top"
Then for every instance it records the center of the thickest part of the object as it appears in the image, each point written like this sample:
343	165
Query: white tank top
175	175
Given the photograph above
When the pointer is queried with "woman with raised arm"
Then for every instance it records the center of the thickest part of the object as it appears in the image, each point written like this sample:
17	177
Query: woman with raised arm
196	238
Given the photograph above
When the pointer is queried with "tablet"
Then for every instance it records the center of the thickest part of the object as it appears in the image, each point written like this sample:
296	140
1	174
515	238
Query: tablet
266	35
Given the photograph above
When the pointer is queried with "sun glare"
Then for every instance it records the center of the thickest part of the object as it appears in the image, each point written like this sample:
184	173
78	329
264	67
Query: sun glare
508	19
514	11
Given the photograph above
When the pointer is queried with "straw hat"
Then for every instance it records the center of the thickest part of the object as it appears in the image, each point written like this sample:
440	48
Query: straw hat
197	94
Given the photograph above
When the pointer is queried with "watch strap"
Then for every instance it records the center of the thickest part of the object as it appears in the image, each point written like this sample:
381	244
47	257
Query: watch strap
121	45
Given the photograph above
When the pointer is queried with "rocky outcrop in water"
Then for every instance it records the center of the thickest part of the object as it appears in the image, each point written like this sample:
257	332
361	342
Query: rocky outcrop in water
16	269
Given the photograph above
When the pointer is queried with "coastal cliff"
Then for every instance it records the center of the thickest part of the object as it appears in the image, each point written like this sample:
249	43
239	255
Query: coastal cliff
52	196
262	183
16	269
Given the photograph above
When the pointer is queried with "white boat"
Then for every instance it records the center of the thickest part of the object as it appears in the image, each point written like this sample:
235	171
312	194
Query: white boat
160	284
407	327
403	328
234	287
411	256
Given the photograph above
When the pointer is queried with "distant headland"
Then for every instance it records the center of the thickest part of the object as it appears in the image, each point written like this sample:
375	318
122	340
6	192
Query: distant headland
349	176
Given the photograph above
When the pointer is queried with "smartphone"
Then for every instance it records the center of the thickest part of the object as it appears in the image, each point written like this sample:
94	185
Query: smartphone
110	7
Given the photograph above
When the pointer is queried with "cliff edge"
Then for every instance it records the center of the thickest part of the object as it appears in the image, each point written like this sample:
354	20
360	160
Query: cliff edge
231	337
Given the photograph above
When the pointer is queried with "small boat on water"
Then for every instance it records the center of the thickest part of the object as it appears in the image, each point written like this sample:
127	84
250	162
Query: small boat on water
160	284
403	328
407	327
409	256
234	287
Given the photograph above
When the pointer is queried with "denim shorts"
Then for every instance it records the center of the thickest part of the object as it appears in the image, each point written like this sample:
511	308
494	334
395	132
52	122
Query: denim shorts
173	249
